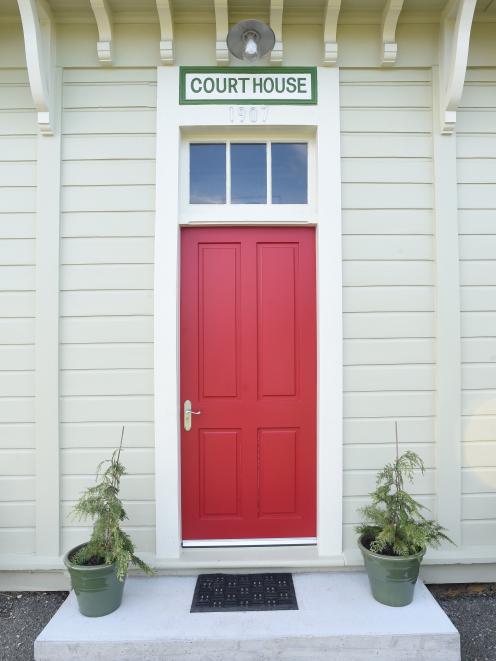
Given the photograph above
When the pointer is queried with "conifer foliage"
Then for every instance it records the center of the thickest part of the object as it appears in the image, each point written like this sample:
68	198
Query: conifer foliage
109	543
393	522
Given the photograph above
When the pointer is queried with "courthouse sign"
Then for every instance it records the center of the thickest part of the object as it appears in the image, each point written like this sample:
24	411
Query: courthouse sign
282	85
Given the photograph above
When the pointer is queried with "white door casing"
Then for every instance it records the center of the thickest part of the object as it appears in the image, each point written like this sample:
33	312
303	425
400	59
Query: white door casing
175	125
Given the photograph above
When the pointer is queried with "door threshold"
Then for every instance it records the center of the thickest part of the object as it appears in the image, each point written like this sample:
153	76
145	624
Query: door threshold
280	541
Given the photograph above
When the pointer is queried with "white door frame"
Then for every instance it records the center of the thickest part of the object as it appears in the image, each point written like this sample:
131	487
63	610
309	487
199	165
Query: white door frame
323	119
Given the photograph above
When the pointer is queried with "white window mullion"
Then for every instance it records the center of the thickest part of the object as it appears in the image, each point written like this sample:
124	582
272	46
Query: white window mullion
269	172
228	172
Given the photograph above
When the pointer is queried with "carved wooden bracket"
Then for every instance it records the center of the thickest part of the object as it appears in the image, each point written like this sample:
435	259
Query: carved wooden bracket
453	58
38	29
221	30
276	10
390	16
330	32
103	17
166	32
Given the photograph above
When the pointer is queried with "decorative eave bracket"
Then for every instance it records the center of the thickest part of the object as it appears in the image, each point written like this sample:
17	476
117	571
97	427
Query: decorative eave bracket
390	16
276	11
103	18
453	58
330	32
166	32
38	29
221	30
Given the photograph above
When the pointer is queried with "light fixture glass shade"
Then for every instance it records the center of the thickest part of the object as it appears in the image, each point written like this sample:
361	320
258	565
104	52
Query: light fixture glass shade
250	40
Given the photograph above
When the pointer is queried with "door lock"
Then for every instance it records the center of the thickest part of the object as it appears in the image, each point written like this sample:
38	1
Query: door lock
187	414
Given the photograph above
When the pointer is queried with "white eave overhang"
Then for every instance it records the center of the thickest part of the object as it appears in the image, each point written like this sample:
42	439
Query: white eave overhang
455	18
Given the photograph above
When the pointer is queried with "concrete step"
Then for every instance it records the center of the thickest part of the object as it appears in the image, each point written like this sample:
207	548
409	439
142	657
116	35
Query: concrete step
337	620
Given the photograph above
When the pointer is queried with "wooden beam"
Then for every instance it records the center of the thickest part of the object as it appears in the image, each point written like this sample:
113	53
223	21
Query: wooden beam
330	32
38	29
221	30
166	32
456	25
276	12
390	16
103	18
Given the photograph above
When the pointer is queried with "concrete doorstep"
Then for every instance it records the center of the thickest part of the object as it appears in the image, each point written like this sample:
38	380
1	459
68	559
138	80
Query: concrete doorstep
337	620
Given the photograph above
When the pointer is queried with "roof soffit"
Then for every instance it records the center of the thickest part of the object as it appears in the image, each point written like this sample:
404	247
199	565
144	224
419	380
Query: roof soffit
296	12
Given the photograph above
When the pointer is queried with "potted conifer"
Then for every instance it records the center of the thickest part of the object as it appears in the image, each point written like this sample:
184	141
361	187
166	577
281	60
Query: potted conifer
395	534
98	568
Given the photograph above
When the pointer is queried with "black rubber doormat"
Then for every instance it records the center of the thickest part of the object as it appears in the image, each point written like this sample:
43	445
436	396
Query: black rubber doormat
244	592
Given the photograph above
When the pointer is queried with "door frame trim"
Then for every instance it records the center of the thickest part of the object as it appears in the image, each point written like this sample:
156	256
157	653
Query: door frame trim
172	119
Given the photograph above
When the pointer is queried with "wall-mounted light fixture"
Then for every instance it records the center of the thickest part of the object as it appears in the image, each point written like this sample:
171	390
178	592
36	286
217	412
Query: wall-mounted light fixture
250	40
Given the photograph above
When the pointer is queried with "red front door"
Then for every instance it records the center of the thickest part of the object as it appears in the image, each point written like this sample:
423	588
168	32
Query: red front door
248	364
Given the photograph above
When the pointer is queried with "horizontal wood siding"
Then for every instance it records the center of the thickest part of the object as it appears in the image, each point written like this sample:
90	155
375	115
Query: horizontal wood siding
106	304
477	226
388	278
17	298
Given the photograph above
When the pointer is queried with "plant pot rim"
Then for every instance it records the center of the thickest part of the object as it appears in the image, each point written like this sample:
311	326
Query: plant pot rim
391	558
86	568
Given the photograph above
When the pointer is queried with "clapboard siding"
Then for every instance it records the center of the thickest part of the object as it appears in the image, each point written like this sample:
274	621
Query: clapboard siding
107	250
120	355
388	278
79	277
17	305
17	225
391	351
476	165
411	430
106	300
108	329
108	224
79	148
96	435
108	173
106	382
371	378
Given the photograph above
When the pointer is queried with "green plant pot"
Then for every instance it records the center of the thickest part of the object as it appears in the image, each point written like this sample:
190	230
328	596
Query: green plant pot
392	578
97	588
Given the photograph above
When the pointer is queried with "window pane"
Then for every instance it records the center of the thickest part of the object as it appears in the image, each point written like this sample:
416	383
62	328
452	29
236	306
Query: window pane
207	174
249	174
289	173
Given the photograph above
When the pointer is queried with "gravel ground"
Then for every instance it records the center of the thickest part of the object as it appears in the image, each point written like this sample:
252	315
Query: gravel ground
22	616
472	608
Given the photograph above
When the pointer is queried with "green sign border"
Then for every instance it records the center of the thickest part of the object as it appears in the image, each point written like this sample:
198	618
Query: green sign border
183	101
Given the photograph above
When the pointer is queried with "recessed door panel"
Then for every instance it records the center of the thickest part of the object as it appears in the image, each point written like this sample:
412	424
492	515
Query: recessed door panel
277	472
218	328
219	472
248	366
276	292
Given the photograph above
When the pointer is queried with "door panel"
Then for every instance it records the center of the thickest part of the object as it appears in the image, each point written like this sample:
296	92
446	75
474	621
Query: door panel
276	266
219	472
218	313
277	471
248	363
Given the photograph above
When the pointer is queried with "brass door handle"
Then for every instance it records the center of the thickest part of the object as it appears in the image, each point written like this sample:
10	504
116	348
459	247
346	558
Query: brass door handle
187	414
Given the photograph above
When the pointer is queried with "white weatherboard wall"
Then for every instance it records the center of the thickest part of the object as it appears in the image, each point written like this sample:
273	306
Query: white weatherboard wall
388	277
106	277
17	284
477	228
106	300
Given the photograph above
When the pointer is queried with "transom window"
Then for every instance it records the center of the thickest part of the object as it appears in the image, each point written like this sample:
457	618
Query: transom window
248	173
